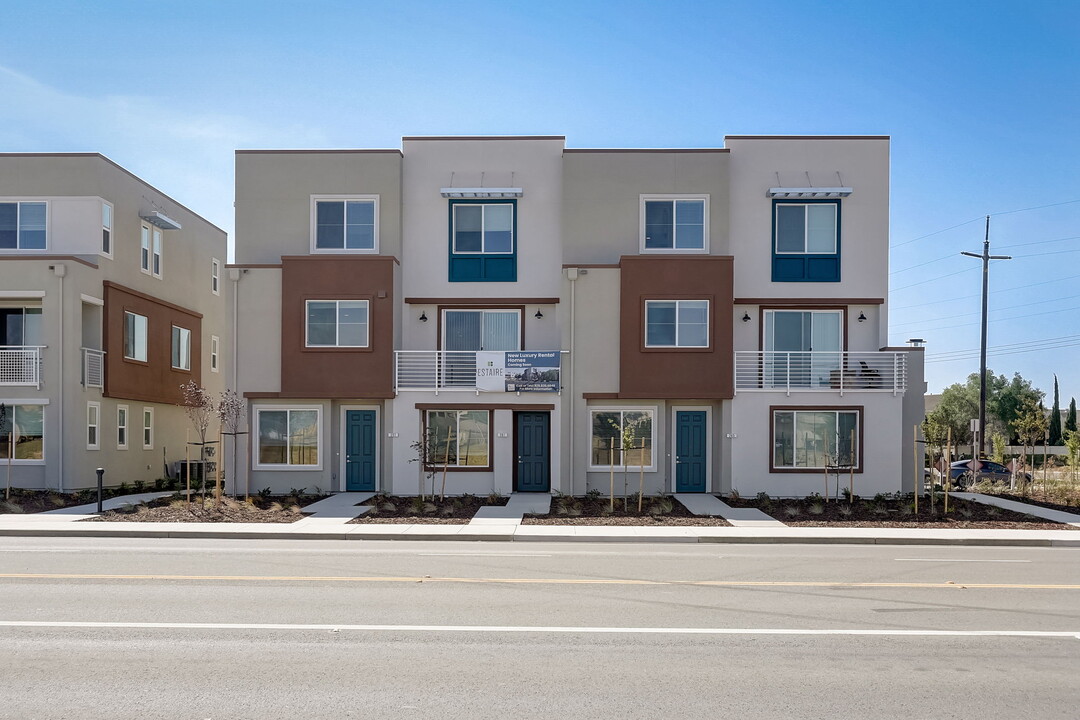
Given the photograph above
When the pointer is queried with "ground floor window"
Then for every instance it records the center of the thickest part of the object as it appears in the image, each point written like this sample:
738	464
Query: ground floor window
815	438
22	433
288	437
459	438
618	435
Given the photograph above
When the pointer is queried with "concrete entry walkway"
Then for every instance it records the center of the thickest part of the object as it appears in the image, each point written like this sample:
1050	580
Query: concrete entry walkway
337	509
706	505
1058	516
82	512
513	511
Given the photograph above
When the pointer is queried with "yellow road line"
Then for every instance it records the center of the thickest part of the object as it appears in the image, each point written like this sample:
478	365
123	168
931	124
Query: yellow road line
540	581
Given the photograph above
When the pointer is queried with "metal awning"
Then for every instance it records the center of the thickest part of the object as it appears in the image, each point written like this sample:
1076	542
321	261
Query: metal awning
161	220
480	192
808	192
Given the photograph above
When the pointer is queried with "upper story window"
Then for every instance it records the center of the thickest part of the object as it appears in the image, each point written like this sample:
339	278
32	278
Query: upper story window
135	336
22	225
214	343
20	326
347	224
677	323
156	259
337	323
144	248
215	276
483	240
181	348
806	241
471	330
106	229
675	223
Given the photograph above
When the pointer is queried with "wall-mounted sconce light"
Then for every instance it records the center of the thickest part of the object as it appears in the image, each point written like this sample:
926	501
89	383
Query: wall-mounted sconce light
746	317
862	316
539	315
423	316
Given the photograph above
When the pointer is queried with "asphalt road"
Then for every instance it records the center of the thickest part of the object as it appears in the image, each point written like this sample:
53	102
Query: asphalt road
274	629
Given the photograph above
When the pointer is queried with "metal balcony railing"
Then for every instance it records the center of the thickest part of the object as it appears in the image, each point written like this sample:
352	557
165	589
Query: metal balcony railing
435	370
788	372
439	370
93	368
20	365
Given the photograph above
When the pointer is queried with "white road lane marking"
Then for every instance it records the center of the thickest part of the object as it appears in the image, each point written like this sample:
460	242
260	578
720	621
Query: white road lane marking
978	560
502	629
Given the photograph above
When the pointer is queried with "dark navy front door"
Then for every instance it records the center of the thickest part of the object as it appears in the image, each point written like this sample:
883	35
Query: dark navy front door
533	441
360	441
691	438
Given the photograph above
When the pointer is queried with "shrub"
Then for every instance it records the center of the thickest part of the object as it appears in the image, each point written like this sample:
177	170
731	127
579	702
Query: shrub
816	508
791	511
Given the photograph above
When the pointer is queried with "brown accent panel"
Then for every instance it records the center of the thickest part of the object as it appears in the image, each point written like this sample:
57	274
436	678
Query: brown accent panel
330	396
817	301
323	257
674	372
154	380
489	301
483	406
359	373
255	265
600	396
811	408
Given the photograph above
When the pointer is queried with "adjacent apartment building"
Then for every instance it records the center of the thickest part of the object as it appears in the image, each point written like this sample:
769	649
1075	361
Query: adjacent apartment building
112	295
508	314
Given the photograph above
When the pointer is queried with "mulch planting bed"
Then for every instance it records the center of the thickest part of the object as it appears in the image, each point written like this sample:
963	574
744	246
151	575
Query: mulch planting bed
894	512
657	511
260	509
456	510
35	501
1040	500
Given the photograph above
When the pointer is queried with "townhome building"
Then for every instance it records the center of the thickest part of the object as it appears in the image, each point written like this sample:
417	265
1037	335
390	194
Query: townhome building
506	314
112	295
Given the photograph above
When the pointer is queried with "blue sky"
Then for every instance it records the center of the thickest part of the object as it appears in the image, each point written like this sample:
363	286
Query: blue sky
981	100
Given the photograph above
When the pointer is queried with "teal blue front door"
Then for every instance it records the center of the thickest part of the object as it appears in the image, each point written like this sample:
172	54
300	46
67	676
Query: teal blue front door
532	439
691	443
360	441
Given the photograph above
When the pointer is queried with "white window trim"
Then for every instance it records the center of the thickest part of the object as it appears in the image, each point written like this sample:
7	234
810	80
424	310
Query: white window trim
677	346
126	426
146	338
172	339
48	227
111	229
319	447
810	408
652	409
144	235
157	252
313	229
215	276
148	411
10	402
704	250
215	345
96	407
483	234
836	229
367	339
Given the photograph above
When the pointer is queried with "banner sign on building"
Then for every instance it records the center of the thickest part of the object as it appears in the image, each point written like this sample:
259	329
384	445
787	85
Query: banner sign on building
517	371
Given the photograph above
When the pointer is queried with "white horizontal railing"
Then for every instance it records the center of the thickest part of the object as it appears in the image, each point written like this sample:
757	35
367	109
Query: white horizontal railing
435	370
438	370
93	368
820	371
20	365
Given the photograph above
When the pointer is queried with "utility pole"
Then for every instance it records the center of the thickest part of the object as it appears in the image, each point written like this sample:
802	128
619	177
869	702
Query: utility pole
986	257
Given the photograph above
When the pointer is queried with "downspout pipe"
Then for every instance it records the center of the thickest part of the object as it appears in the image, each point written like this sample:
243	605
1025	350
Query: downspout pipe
60	270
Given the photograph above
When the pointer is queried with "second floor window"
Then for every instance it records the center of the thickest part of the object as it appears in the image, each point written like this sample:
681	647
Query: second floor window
135	336
215	276
806	241
345	225
483	241
181	348
674	224
22	225
144	248
677	323
156	267
337	323
106	229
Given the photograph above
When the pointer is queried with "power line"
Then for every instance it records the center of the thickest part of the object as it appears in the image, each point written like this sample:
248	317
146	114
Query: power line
1002	247
1008	307
1039	242
998	290
998	353
933	279
968	222
1029	344
1018	317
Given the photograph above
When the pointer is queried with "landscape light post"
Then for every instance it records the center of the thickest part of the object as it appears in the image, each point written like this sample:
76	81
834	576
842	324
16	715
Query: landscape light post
986	257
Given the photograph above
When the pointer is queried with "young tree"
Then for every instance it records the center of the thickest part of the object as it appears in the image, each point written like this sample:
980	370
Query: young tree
199	406
1030	425
230	412
1055	417
1072	442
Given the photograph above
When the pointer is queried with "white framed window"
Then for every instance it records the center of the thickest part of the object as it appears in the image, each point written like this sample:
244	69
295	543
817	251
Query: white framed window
460	438
674	223
336	323
215	276
806	228
345	223
135	336
121	427
148	428
214	342
813	438
106	229
483	228
607	435
677	323
156	259
93	425
22	433
20	326
144	248
288	438
181	348
23	225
